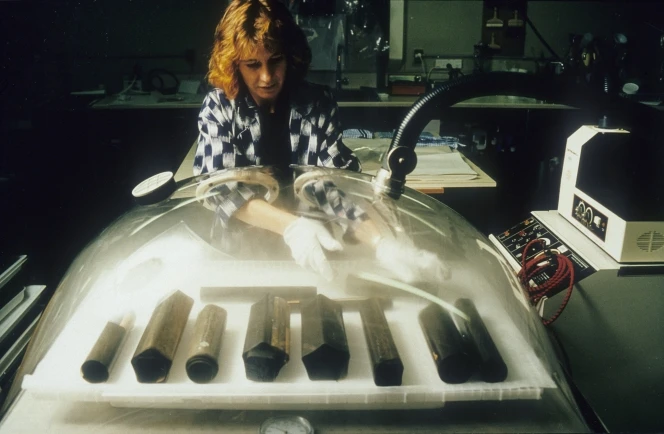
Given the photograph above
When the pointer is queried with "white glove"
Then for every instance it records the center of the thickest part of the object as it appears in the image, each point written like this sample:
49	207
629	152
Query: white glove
409	263
307	238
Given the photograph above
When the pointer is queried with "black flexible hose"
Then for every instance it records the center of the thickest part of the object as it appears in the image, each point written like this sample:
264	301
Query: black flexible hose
463	88
400	158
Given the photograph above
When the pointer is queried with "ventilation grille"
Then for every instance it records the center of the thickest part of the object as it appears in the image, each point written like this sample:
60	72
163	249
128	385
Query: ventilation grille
650	241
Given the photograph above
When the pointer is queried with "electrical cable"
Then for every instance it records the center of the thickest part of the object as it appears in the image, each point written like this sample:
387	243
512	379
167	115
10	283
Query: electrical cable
131	85
540	37
431	70
654	27
422	63
564	270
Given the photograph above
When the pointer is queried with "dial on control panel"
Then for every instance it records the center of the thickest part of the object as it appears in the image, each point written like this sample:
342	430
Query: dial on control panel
516	238
593	220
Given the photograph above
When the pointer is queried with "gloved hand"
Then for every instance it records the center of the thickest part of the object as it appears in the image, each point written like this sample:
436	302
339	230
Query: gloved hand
409	263
307	238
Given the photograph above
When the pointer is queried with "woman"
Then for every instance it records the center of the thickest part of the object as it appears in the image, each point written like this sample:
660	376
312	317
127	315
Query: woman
258	64
263	112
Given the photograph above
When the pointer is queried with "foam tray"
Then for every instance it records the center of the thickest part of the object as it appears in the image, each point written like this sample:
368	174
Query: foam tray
58	375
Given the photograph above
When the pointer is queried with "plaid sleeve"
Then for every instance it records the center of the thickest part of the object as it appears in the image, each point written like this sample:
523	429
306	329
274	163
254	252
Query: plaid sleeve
333	201
333	152
230	197
357	133
215	150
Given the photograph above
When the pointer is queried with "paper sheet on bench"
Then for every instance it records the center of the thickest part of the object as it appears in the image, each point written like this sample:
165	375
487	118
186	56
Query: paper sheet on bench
447	164
432	161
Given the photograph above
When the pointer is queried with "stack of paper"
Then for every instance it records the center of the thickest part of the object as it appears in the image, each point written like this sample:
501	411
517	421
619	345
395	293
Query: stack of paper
449	165
438	162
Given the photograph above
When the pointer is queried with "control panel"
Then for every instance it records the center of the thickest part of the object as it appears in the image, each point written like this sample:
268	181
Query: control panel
593	220
516	238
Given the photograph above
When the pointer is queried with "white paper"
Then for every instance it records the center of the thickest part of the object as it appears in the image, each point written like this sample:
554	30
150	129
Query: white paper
442	163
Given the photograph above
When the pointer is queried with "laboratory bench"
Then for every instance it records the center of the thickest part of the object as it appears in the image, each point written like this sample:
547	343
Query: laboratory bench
84	161
436	184
451	188
85	158
375	116
158	101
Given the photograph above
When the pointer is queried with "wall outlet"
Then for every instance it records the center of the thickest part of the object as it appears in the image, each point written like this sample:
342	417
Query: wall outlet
417	60
442	63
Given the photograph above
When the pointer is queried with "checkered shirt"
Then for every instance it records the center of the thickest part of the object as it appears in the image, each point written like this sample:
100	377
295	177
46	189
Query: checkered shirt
229	133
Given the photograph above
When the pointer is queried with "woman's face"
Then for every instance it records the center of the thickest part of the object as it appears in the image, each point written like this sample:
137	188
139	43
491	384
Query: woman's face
263	72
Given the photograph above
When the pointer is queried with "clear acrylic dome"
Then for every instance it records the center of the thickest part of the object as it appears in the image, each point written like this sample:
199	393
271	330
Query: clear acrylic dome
180	244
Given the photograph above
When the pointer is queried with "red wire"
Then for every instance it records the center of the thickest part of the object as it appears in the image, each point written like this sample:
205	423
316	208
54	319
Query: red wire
532	267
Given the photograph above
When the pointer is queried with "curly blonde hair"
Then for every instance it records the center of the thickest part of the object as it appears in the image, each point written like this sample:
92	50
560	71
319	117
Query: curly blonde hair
246	24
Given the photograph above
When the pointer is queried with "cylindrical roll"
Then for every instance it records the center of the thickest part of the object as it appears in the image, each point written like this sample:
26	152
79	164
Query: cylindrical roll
98	364
267	343
453	362
325	352
202	361
385	359
491	364
155	351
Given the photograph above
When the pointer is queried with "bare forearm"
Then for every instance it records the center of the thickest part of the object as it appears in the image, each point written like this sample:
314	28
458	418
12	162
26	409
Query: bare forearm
368	233
261	214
